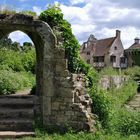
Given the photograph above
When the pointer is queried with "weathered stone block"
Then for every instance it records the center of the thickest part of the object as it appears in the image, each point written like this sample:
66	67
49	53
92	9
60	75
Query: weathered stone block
64	92
59	53
60	65
69	113
63	82
68	100
55	105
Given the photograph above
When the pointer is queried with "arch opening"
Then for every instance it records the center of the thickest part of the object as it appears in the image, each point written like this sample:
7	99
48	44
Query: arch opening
21	61
55	86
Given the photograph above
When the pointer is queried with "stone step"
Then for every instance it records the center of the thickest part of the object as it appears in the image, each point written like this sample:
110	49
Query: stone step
16	113
13	102
12	105
17	96
15	134
16	125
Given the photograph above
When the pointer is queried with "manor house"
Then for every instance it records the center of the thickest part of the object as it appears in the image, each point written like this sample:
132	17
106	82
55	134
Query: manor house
108	52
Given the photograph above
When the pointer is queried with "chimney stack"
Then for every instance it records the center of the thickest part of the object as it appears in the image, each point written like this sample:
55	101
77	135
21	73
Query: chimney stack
118	33
137	40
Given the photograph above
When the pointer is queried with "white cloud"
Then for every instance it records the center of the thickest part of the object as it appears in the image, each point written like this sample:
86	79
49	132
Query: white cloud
73	13
78	28
19	36
76	1
128	35
36	9
102	18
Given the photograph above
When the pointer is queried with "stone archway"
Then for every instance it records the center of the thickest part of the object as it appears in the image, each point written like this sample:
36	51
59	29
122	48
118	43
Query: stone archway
63	99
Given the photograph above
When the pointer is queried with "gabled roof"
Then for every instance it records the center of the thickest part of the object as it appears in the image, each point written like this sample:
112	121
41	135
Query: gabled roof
134	46
103	46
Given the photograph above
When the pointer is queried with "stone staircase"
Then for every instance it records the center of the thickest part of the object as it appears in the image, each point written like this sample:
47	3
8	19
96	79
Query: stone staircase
17	115
134	103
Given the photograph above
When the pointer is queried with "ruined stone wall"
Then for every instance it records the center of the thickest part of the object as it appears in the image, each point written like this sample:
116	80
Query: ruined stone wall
62	95
106	82
70	105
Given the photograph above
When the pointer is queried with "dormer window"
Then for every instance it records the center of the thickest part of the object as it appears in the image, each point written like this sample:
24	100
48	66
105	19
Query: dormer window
115	48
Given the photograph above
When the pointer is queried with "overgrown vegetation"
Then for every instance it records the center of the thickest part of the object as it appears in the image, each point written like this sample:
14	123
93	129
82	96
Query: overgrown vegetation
17	66
65	39
11	81
107	105
10	10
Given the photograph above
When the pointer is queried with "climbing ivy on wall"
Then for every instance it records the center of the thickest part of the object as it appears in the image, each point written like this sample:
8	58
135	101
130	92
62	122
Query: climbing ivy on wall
136	57
62	29
65	39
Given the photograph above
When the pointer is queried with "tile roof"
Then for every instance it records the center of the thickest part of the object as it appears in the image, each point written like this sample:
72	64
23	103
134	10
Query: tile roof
134	46
103	46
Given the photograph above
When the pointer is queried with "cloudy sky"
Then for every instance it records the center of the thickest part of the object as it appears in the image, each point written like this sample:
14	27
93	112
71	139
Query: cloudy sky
98	17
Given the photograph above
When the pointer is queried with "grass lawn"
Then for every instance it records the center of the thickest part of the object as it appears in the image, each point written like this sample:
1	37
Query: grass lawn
82	136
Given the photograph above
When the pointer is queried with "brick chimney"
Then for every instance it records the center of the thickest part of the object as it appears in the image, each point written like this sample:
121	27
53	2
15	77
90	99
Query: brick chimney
137	40
118	33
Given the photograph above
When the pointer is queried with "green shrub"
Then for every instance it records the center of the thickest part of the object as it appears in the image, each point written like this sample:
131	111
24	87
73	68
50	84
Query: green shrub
62	29
10	81
11	59
101	106
17	61
28	60
125	122
107	103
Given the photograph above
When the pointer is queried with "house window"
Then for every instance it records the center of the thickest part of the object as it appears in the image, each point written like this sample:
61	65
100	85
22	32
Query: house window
101	59
112	59
95	59
98	59
115	48
122	60
88	53
88	61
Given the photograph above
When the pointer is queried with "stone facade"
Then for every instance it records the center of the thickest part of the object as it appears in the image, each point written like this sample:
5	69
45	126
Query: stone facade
62	95
108	52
